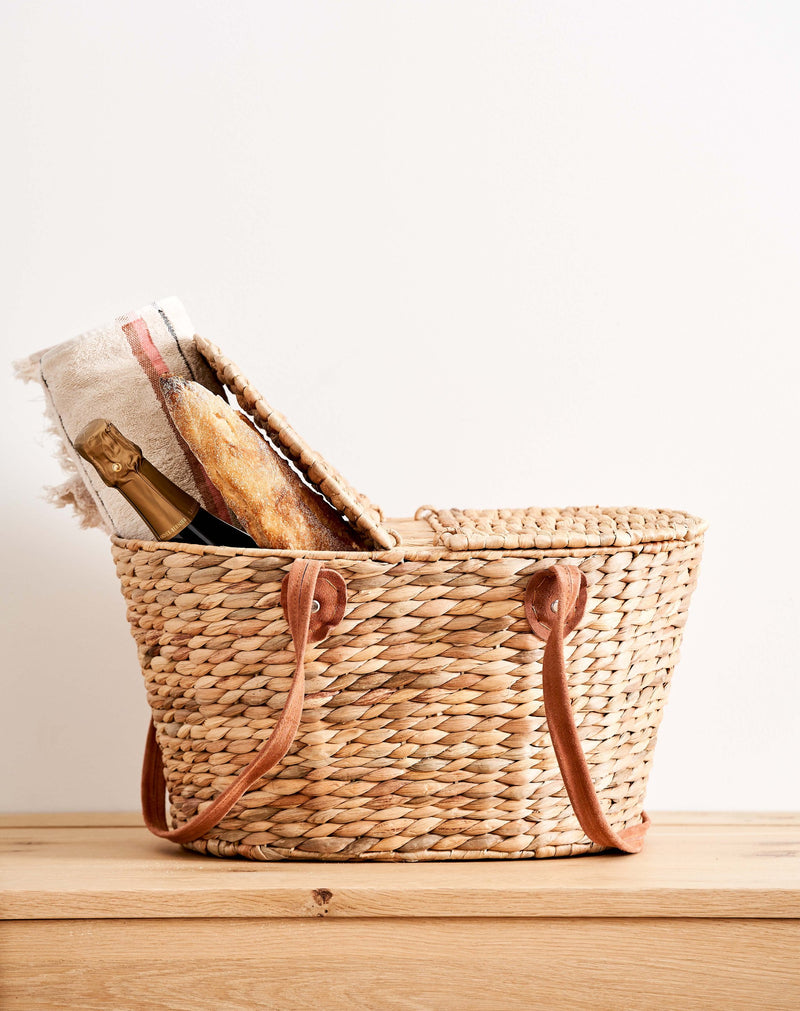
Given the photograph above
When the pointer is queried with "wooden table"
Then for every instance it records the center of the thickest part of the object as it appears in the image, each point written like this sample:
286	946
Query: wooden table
99	914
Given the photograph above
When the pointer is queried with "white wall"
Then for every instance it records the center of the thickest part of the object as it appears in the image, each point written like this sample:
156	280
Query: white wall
480	253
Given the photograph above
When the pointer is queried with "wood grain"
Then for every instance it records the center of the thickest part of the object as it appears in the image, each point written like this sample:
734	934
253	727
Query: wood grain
101	915
422	964
80	819
69	819
747	868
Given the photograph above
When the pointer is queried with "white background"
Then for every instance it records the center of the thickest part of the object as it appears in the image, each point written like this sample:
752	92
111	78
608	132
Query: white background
481	254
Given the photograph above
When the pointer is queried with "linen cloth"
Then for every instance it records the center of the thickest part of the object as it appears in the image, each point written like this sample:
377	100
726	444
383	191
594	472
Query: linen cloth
113	372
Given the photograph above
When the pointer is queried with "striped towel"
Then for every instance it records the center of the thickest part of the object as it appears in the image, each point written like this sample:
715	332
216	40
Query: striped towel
113	372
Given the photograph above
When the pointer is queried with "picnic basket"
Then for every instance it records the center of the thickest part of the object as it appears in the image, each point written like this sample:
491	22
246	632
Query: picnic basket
477	684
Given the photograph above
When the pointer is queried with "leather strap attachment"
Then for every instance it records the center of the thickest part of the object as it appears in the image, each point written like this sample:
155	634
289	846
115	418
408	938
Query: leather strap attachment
544	595
329	595
555	601
314	601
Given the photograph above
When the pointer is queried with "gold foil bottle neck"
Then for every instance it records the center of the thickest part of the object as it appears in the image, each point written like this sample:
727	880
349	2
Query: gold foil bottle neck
164	507
112	455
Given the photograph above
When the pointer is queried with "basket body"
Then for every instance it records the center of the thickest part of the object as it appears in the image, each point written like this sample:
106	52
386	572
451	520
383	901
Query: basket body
423	734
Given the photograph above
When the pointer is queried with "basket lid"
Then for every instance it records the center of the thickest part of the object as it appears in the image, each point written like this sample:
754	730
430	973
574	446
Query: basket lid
364	515
575	527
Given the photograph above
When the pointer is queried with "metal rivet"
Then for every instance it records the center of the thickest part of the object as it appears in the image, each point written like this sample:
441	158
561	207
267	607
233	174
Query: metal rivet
315	606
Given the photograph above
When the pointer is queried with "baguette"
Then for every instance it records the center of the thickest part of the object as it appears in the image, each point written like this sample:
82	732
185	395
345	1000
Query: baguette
269	498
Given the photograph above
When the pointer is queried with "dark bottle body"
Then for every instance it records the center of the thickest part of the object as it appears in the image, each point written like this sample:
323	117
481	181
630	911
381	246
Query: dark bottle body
208	529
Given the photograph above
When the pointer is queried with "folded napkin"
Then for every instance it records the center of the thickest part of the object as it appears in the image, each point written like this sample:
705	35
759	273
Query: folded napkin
113	372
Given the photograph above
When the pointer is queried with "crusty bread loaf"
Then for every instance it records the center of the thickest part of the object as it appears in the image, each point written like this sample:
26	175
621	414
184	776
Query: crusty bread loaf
269	498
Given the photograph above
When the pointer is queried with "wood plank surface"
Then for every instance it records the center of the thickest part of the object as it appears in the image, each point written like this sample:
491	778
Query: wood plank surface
690	868
428	963
70	819
78	819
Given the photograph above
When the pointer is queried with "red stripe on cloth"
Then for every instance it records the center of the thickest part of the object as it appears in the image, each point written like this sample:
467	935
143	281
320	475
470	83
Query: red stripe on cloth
154	367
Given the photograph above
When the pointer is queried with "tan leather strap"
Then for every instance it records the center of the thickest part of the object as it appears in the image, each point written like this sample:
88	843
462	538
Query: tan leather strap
554	604
305	586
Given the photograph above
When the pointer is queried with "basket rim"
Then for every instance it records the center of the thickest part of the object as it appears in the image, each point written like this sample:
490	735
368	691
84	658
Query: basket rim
405	552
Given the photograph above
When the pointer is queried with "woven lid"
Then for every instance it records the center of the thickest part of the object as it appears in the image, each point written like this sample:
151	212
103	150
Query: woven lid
363	514
578	527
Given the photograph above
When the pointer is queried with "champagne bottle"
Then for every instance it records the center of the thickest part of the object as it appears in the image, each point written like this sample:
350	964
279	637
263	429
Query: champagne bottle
170	513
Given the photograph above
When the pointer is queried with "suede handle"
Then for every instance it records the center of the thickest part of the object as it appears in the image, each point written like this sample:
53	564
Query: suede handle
314	600
554	604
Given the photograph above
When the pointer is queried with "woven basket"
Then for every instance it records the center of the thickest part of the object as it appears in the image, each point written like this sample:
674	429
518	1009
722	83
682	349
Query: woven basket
490	685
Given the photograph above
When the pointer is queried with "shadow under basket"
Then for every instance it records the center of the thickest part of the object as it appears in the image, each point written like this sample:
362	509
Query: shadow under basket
489	687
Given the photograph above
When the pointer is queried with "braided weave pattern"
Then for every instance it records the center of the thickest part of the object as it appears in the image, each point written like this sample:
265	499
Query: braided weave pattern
574	527
423	734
